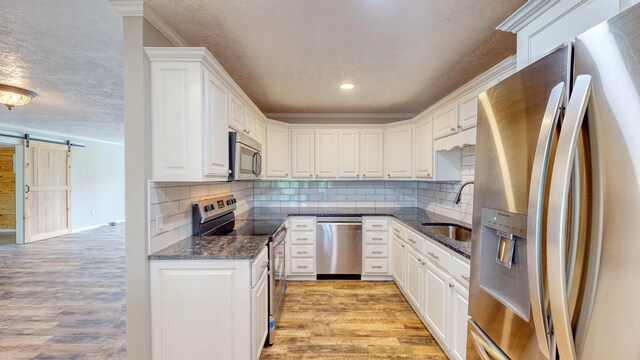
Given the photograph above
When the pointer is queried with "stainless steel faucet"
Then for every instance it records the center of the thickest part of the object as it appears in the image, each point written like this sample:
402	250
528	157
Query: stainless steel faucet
456	200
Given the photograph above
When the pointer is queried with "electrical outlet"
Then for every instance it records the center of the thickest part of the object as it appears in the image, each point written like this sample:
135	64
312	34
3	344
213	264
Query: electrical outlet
159	223
93	212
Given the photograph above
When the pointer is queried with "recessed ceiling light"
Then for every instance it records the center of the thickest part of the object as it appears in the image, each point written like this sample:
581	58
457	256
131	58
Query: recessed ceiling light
346	86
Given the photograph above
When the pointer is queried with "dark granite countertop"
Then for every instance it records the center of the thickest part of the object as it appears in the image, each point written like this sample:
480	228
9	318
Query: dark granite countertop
248	247
413	217
245	247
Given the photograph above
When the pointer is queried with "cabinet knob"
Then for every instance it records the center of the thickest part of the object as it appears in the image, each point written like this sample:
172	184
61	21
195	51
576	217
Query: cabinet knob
453	129
388	175
287	174
450	285
363	175
311	175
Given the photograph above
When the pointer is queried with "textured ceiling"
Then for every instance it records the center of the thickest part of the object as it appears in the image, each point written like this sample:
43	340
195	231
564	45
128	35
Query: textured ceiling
291	55
70	53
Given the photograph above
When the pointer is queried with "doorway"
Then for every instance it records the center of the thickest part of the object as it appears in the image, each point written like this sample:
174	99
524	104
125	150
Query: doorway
8	209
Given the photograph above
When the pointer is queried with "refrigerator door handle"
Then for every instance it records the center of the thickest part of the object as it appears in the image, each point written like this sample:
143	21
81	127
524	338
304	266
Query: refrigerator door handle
535	215
558	216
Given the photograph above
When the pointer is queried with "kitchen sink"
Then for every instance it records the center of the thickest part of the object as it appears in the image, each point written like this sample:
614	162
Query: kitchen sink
452	231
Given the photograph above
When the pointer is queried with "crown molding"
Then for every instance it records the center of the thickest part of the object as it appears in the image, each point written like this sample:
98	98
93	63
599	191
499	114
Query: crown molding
158	22
339	116
526	14
128	7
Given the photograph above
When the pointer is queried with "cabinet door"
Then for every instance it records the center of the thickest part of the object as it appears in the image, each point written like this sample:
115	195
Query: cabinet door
398	263
424	149
238	114
250	123
302	152
176	103
445	121
349	153
260	314
277	152
260	133
372	153
468	116
437	299
399	152
413	284
458	315
216	127
326	154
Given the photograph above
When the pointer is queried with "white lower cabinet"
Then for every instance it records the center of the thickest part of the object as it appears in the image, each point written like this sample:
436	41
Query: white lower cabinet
413	283
375	248
201	309
458	315
435	282
436	305
301	248
398	260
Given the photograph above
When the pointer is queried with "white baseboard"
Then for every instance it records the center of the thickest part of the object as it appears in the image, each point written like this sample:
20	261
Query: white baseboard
7	231
86	228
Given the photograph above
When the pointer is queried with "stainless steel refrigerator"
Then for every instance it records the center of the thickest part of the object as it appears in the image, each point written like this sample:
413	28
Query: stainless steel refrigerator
555	268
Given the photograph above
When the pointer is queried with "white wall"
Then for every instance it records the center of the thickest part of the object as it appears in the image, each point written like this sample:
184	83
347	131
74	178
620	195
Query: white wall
97	185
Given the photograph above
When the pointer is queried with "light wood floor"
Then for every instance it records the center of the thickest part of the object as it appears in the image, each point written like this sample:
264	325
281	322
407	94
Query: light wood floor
64	298
349	320
7	238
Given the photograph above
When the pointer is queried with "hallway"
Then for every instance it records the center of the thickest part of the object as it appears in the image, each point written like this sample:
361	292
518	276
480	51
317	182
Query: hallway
64	297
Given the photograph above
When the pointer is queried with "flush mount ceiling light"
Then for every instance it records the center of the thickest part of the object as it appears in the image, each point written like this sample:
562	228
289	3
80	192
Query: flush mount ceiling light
12	96
346	86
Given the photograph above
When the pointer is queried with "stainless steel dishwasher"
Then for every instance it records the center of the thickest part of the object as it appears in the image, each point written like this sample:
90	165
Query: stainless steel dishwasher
339	247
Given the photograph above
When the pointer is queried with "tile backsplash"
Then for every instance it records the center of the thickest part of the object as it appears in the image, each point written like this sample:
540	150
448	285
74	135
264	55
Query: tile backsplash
314	194
173	200
438	197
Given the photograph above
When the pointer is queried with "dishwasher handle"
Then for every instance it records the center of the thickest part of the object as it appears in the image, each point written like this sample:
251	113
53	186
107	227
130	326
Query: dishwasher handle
339	219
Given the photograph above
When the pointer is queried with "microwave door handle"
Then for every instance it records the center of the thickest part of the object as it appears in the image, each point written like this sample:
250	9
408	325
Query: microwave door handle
535	215
259	164
254	164
558	216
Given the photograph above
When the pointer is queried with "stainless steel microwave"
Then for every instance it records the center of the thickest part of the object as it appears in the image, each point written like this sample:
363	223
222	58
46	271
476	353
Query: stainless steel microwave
245	157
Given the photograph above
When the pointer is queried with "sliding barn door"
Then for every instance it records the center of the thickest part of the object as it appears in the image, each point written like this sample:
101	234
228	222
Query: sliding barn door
47	193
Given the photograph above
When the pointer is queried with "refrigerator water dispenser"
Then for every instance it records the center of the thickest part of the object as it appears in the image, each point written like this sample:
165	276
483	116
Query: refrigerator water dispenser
503	259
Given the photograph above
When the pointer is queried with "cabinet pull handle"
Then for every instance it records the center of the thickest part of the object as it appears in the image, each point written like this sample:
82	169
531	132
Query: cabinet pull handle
376	252
434	255
287	174
376	225
301	226
402	246
376	267
303	252
465	277
302	266
388	175
302	239
423	263
413	241
453	129
377	239
396	230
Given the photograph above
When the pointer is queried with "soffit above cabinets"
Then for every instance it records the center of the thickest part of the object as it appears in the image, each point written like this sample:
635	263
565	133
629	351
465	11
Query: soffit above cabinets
290	56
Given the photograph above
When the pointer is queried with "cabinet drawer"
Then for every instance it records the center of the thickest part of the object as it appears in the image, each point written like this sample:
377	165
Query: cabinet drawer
303	238
376	224
376	266
259	266
437	255
304	224
303	266
372	251
460	270
303	251
375	238
399	230
417	241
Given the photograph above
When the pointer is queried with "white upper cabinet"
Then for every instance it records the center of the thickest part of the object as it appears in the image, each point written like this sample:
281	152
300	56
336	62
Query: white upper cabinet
445	121
371	153
302	154
399	152
187	101
250	124
216	109
424	149
260	132
348	154
326	154
238	114
468	114
277	152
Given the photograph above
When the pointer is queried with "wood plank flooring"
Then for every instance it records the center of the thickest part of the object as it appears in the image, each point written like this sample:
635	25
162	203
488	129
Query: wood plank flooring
349	320
64	298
